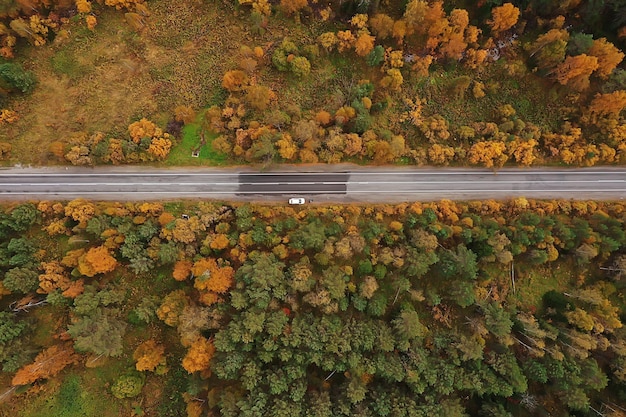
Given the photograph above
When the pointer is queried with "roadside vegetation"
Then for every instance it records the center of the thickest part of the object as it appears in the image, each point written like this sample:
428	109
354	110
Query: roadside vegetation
452	309
418	82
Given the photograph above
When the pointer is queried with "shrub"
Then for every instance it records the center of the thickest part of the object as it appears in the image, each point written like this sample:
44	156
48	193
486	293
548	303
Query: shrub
128	386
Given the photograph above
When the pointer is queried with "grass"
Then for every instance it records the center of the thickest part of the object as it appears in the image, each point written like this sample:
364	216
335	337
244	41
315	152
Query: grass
181	153
72	398
531	97
65	62
532	284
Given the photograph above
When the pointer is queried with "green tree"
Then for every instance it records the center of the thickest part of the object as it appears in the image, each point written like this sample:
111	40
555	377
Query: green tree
100	333
408	327
310	236
13	77
458	264
168	253
145	312
24	216
20	252
300	66
497	320
579	43
21	280
376	56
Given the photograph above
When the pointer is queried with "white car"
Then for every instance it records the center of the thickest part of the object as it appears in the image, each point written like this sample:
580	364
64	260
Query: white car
297	201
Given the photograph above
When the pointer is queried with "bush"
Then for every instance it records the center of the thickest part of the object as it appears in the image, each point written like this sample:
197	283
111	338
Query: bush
14	77
128	386
300	66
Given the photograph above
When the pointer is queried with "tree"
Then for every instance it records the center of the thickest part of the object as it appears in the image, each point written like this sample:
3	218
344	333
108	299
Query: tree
259	96
292	6
579	43
81	211
440	154
160	147
184	114
24	216
497	320
300	66
97	260
149	356
393	80
20	252
489	153
608	57
211	277
576	70
608	105
381	25
10	328
548	50
503	18
235	80
364	44
172	306
199	355
376	56
47	364
100	333
523	151
21	280
408	326
182	269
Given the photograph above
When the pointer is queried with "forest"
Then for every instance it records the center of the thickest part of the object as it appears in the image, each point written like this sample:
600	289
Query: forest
203	82
215	308
485	308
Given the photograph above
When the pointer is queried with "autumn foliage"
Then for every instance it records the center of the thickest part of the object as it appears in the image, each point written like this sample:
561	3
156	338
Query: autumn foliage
97	260
199	355
182	269
503	18
212	279
47	364
149	355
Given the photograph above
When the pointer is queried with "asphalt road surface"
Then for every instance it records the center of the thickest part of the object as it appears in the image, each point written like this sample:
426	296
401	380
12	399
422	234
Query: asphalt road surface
327	183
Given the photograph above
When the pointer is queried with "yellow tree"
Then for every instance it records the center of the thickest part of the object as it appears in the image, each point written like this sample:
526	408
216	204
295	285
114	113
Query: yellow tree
97	260
235	80
149	356
81	211
287	149
364	43
199	356
523	151
52	278
143	128
292	6
212	277
576	70
182	269
608	105
160	147
608	56
381	25
503	18
440	154
47	364
491	154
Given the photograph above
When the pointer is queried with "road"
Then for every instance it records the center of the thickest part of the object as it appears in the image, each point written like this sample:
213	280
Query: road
336	183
